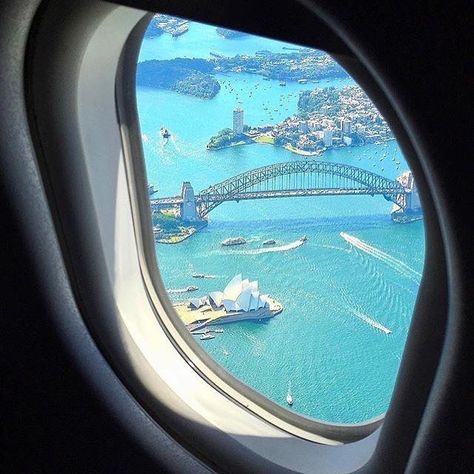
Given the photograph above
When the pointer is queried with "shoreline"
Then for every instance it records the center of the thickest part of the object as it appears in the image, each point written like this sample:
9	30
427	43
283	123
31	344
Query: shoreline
178	238
200	318
290	148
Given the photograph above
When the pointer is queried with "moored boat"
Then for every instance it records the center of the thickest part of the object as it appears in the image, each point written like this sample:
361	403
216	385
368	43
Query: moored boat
289	396
233	241
269	242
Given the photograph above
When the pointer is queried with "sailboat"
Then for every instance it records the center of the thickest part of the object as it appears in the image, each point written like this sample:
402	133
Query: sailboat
289	396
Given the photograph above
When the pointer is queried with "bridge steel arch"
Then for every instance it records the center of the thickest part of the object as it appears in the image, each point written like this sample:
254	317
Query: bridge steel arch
303	178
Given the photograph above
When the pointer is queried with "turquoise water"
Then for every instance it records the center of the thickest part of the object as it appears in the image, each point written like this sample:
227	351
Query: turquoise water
341	368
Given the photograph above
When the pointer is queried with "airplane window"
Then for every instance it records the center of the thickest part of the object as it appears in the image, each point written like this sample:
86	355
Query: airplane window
287	224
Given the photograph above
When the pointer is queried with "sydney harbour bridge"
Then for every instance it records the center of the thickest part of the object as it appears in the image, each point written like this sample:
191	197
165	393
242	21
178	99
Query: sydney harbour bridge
290	179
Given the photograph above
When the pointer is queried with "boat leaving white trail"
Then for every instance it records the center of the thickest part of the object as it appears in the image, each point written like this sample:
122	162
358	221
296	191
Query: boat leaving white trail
281	248
396	264
371	322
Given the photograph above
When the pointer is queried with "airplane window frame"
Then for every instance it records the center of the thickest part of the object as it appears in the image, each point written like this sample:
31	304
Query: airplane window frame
127	124
306	427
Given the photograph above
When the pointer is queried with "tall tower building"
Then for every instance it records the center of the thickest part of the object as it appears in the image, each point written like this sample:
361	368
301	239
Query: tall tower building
327	137
238	125
346	126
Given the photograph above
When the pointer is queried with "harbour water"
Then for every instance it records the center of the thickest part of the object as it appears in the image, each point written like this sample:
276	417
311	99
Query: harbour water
338	291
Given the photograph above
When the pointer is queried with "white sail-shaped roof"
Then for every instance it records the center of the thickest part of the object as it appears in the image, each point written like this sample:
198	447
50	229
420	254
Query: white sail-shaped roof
217	297
253	301
244	298
238	295
231	305
197	302
265	300
233	288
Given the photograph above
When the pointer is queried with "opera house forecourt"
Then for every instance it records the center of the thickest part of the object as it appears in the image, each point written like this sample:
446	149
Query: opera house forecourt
240	301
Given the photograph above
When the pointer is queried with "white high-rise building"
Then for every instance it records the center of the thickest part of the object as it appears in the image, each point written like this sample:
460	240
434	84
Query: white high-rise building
346	126
327	137
238	123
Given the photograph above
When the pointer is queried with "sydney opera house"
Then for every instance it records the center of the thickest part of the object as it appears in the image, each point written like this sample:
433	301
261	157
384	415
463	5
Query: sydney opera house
238	295
240	300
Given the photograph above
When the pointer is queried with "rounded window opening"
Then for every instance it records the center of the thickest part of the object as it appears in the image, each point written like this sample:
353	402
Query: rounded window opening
287	224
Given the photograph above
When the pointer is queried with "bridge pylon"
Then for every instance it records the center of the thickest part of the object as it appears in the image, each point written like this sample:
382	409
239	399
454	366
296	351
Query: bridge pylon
188	206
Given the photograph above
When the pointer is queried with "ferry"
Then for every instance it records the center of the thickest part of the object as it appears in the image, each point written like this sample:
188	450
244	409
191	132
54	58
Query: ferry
207	336
164	132
233	241
151	190
289	396
269	242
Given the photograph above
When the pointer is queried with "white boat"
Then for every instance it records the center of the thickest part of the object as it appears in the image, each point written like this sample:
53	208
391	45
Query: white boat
269	242
226	353
192	288
289	396
206	336
219	330
233	241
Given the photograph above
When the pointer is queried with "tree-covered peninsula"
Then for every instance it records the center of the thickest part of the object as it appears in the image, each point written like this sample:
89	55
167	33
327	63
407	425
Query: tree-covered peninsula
186	76
196	76
227	137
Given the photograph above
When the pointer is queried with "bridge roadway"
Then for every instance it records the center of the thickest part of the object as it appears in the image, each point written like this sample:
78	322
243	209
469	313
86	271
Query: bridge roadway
177	200
291	179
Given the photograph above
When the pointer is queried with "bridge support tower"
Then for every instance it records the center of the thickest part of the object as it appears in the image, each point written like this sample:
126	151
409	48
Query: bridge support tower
188	207
408	206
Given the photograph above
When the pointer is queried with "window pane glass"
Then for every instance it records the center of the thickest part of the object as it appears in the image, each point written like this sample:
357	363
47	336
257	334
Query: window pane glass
288	228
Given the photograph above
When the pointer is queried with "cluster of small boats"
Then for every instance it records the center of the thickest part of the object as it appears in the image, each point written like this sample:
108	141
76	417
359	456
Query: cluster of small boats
208	333
241	240
202	275
188	289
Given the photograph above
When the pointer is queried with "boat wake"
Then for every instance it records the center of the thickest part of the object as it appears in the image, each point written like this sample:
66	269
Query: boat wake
392	262
281	248
177	291
371	322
